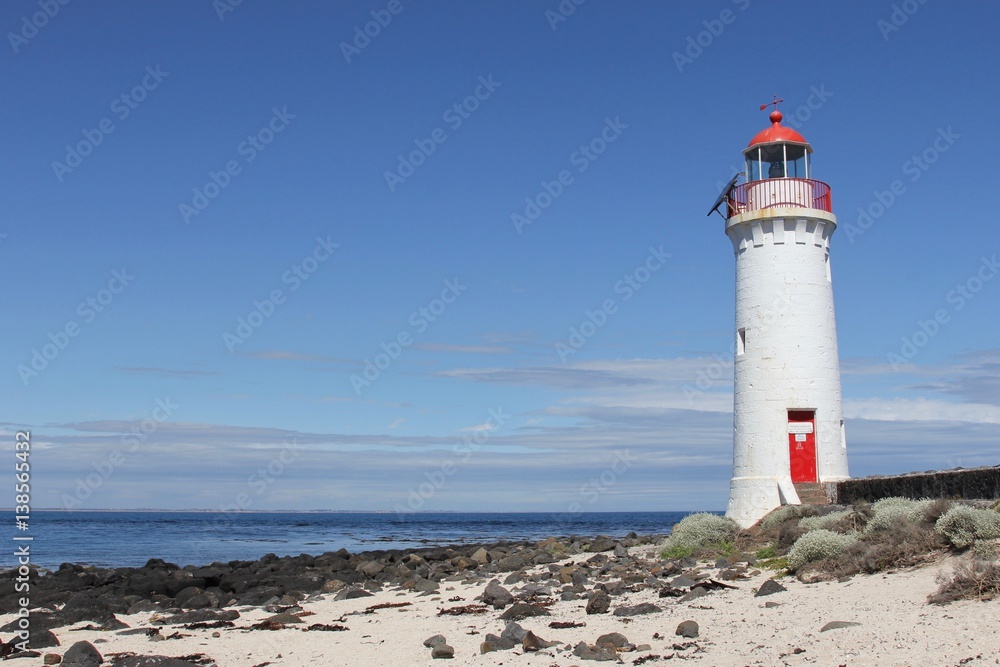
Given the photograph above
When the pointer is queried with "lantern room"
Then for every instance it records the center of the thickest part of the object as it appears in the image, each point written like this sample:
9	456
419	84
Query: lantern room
778	173
777	152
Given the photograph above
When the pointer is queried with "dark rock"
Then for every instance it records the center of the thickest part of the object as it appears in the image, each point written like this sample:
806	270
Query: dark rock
533	642
494	643
770	587
620	551
370	568
497	596
43	639
52	659
601	653
687	629
442	651
601	543
836	625
694	594
435	640
352	593
515	578
426	586
637	610
615	639
511	563
566	596
284	618
771	605
599	603
671	592
200	601
82	654
523	610
513	632
683	582
144	606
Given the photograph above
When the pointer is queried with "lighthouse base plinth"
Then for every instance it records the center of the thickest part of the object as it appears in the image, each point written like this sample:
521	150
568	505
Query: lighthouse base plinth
753	498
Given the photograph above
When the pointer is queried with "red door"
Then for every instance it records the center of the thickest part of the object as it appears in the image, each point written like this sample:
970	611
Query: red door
802	444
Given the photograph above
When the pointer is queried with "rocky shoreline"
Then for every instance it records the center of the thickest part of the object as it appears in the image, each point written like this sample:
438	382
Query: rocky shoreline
560	601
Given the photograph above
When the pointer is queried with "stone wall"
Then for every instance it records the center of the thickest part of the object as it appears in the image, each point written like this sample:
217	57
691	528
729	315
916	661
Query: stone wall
971	483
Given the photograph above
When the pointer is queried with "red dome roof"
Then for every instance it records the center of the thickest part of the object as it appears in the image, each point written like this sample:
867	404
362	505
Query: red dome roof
777	132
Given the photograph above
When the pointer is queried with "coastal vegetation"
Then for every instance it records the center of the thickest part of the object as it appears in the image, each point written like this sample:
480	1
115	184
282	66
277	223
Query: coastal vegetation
816	543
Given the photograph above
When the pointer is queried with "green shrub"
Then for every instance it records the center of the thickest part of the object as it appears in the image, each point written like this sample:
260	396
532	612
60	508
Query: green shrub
885	512
817	545
774	563
781	515
963	525
700	531
766	552
826	521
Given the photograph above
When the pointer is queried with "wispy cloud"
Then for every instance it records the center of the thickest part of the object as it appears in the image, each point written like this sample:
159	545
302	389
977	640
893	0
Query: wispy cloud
163	372
288	355
463	349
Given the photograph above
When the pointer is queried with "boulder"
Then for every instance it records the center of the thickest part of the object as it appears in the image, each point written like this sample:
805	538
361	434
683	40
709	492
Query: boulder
497	596
687	629
431	642
82	654
599	602
523	610
770	587
637	610
442	651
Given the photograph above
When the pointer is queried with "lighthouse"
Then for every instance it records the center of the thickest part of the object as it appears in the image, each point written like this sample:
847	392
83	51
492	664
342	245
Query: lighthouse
788	423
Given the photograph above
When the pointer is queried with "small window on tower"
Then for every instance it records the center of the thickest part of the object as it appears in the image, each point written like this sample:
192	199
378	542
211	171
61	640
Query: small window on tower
741	341
826	261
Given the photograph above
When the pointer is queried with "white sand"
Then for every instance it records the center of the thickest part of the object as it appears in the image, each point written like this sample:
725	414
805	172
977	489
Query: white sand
897	627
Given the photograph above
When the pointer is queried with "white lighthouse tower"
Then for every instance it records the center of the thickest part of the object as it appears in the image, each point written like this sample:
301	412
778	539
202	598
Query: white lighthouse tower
788	424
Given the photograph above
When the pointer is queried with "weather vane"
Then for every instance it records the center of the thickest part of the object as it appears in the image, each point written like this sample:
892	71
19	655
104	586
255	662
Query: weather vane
776	102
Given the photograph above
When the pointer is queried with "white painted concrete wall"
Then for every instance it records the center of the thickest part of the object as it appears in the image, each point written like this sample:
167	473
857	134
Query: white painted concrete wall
784	302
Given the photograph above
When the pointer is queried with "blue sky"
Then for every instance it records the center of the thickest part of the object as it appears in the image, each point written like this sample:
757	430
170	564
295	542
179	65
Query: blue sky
217	214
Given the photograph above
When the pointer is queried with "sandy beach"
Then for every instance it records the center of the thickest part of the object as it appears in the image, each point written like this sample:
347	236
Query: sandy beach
895	624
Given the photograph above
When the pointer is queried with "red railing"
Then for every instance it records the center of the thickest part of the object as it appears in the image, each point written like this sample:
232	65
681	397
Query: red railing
771	192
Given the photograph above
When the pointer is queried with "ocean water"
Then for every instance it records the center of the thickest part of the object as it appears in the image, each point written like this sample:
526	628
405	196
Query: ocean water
129	539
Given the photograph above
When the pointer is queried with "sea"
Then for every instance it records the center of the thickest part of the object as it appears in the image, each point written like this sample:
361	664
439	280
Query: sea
130	539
